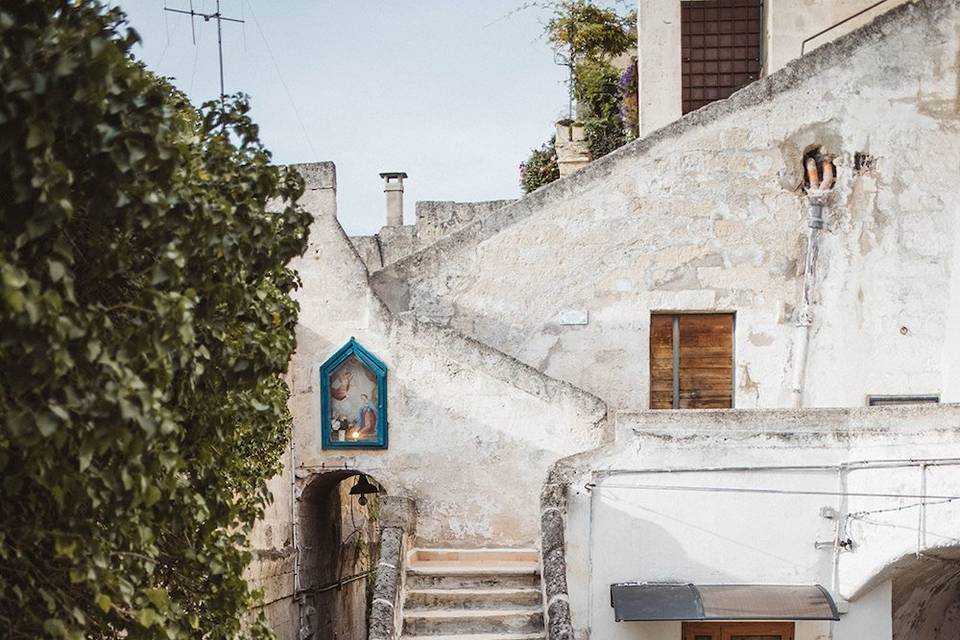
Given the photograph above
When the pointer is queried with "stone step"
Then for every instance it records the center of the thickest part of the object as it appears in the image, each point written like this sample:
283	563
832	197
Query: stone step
471	578
473	556
473	568
477	598
485	636
435	622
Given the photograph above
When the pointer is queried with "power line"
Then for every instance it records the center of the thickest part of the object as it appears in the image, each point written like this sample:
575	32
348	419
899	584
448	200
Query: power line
790	492
293	105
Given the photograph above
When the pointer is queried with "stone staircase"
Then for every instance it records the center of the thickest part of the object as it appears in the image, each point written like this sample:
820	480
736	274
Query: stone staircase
473	594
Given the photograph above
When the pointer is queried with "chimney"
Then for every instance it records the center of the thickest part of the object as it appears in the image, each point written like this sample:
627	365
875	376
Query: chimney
393	187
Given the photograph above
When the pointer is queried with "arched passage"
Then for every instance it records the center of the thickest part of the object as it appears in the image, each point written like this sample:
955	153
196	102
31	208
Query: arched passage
339	544
926	596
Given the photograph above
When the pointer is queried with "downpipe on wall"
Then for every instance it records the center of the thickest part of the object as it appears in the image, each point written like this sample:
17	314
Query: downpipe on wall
302	631
816	199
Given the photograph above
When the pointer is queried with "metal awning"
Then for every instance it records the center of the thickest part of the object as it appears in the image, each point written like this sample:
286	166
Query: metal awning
633	601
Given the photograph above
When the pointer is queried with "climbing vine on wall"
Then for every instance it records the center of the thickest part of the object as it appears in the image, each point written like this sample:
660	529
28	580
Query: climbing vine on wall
145	324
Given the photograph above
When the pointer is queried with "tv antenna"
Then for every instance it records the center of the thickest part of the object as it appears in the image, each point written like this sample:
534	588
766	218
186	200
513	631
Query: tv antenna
207	17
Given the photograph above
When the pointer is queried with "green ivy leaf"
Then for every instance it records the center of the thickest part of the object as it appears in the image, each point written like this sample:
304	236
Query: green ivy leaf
104	602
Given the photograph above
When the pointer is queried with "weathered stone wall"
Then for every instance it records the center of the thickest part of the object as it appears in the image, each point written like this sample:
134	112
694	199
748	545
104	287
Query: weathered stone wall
435	219
473	432
724	497
708	215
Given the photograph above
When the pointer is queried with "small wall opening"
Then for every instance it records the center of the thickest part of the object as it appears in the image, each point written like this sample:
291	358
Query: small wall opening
339	542
817	154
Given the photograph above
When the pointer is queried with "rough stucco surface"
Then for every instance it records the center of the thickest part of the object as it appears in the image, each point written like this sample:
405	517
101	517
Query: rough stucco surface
467	422
707	214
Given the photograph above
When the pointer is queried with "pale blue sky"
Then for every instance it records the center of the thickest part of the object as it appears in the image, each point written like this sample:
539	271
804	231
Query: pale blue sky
453	92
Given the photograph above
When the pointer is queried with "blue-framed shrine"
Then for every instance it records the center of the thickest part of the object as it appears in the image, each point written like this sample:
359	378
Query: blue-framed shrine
353	388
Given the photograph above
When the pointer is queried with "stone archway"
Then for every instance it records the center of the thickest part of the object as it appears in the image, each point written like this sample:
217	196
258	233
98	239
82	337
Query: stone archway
339	546
924	592
926	595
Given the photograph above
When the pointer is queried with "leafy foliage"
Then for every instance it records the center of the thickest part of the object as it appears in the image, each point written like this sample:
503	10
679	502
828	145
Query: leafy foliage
540	168
628	91
585	38
582	30
145	324
598	105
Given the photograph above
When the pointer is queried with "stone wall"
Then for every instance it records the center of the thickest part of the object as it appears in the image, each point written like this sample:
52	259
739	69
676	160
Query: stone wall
435	219
473	432
708	215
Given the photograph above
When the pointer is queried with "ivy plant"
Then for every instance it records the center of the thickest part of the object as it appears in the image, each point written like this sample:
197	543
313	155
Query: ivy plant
145	326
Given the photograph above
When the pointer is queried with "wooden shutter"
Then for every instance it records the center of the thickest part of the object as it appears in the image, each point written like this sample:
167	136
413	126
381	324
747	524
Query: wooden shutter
719	48
661	361
691	361
706	361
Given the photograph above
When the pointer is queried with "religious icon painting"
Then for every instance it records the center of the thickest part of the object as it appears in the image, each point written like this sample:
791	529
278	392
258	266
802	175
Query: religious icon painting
353	387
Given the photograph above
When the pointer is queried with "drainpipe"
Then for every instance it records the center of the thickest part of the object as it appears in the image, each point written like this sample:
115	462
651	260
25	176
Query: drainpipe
297	596
816	198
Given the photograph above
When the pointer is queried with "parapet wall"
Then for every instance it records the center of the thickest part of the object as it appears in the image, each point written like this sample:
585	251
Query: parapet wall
435	219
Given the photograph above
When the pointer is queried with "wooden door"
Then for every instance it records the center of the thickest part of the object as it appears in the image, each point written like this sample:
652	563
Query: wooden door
701	631
691	361
738	630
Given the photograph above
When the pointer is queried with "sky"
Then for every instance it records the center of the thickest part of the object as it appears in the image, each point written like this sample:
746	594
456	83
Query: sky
453	92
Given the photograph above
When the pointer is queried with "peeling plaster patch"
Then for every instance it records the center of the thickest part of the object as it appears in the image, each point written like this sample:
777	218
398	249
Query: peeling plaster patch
866	243
760	340
676	279
746	384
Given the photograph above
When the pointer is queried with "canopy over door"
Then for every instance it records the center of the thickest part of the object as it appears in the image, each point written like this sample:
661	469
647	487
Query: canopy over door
633	601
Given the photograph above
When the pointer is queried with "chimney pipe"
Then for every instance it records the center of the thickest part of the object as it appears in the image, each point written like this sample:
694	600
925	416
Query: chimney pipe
393	187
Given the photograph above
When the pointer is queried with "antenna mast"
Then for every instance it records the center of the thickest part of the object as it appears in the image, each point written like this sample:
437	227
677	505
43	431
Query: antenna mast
207	17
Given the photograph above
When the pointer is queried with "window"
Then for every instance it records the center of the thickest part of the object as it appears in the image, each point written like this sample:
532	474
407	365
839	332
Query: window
882	401
691	361
720	48
738	630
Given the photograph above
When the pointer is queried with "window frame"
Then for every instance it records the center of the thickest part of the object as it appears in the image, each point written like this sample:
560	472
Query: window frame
884	400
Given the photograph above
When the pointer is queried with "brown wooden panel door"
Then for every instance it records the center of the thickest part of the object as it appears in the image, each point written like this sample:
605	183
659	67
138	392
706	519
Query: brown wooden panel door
720	48
706	361
738	630
701	631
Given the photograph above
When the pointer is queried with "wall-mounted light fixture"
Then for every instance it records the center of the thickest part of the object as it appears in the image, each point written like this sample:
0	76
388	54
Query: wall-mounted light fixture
362	488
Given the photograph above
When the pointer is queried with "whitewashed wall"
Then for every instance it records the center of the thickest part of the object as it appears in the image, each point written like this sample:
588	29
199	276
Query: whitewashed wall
626	527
